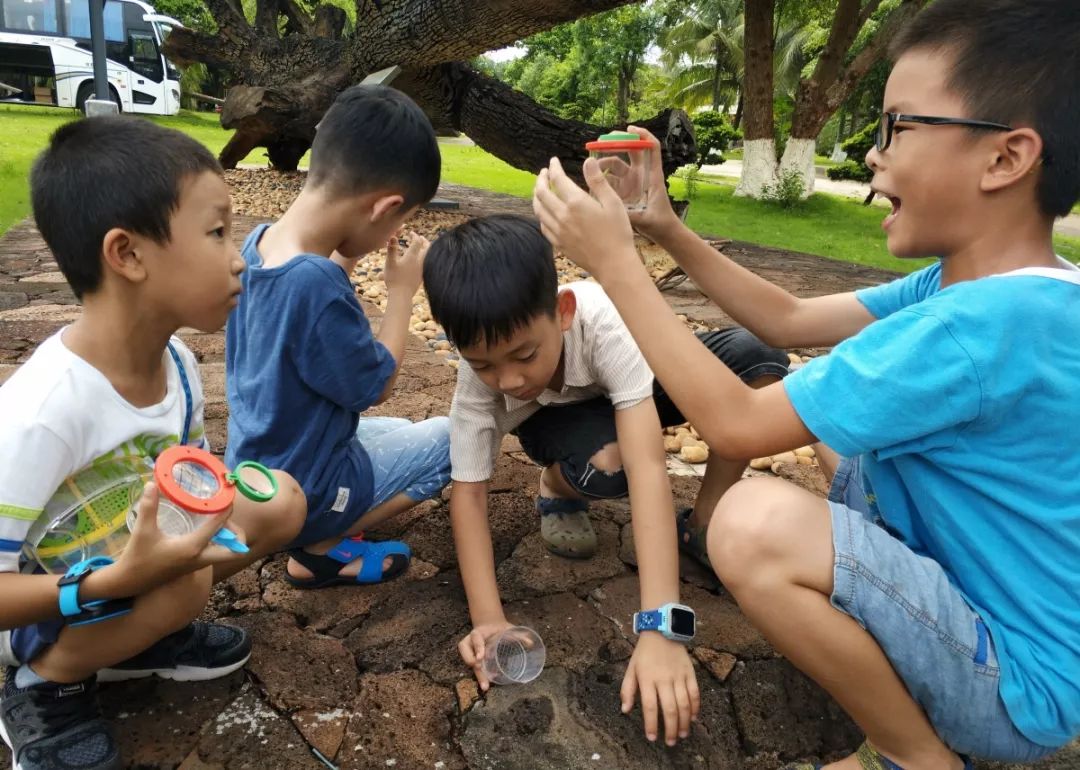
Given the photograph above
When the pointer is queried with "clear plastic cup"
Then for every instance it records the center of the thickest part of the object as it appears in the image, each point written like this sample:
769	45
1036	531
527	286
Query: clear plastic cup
514	656
626	160
172	520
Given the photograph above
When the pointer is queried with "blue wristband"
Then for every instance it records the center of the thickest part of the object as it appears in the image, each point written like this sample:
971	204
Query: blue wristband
76	614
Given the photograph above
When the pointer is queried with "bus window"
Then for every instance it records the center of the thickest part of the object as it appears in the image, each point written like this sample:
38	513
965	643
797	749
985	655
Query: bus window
30	16
145	58
77	16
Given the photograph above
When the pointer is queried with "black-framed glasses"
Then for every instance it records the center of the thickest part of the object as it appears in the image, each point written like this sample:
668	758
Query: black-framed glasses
890	119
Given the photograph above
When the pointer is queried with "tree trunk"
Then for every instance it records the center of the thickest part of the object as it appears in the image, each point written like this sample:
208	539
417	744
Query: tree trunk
832	81
285	84
738	112
511	126
716	78
759	147
622	98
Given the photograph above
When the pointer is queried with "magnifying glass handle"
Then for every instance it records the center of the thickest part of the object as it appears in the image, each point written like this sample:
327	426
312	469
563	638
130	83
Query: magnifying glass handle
227	538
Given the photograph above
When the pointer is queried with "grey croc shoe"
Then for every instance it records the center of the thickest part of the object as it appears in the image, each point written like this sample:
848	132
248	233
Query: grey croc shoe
565	527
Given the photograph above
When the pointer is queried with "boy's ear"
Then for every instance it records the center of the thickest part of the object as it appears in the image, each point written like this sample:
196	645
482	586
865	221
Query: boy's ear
1018	154
565	307
120	250
386	206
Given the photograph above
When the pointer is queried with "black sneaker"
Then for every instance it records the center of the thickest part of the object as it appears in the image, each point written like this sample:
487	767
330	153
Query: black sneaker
197	653
51	726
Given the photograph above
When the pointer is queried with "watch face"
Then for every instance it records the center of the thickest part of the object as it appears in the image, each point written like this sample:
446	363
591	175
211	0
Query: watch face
682	622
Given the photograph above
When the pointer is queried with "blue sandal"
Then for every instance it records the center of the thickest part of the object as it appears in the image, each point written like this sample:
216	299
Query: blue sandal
325	569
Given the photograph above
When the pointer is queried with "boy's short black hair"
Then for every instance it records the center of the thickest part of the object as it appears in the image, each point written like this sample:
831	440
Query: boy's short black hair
105	172
488	277
372	138
1015	62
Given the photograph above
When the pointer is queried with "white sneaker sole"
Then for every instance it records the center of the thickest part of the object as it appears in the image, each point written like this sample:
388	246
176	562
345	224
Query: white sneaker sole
3	734
178	674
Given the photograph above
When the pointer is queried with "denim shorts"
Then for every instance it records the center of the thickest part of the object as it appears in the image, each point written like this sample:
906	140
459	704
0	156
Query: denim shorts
570	434
938	645
411	458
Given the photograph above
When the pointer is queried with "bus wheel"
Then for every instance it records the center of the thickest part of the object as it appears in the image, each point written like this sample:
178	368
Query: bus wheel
86	89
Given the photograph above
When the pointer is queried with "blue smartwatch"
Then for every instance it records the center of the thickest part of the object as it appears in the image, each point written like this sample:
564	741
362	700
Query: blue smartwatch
674	621
76	614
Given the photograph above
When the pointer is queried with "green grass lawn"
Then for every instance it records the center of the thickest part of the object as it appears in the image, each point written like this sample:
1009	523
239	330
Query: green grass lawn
827	225
474	167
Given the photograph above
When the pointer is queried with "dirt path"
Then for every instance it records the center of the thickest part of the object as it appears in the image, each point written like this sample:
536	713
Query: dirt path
369	677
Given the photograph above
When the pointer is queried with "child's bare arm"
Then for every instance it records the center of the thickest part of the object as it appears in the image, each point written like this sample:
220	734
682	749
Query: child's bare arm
660	669
737	421
776	316
476	560
150	559
402	274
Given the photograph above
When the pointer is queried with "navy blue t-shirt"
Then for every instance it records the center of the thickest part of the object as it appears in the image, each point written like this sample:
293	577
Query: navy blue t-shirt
301	364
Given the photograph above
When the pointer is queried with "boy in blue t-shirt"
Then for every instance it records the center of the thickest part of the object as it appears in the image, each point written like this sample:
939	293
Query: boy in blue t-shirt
301	360
936	594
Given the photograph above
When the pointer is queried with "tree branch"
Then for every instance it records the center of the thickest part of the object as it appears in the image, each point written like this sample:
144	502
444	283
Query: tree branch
266	17
868	11
872	53
455	30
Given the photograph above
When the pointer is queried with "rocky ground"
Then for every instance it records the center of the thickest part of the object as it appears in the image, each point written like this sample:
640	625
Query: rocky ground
369	677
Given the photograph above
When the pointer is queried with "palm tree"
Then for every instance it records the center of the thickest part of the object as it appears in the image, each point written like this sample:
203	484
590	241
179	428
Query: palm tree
702	50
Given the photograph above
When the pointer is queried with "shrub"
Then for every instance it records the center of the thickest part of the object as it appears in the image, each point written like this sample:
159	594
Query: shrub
713	132
786	191
850	169
859	143
690	174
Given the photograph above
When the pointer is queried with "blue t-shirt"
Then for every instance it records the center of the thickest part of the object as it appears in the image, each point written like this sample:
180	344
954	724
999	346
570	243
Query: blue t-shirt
964	403
301	364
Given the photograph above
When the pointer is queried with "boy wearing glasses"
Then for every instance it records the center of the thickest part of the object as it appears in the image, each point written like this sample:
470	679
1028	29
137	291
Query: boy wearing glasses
936	594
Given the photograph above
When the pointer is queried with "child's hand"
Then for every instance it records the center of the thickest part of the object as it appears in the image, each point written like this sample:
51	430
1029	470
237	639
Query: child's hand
661	670
405	270
152	558
658	216
472	648
592	231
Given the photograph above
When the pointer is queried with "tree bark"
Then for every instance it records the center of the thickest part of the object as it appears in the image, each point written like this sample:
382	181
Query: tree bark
718	53
513	127
622	98
286	83
759	155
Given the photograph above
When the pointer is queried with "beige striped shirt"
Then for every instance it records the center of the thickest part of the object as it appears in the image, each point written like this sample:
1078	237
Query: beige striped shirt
601	359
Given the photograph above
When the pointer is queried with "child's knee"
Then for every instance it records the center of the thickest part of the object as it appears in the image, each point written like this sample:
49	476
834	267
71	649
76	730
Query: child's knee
286	518
742	530
278	521
608	459
601	476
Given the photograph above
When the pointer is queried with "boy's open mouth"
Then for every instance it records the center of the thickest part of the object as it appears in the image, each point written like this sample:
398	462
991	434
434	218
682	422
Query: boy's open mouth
887	222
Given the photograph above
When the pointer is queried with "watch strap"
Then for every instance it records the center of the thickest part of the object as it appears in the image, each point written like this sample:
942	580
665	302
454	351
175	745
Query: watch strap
68	598
648	620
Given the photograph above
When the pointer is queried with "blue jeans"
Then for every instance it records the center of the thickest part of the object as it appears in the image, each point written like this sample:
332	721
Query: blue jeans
938	645
406	458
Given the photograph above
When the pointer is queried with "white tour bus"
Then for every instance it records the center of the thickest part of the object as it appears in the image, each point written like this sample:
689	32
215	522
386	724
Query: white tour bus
45	55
